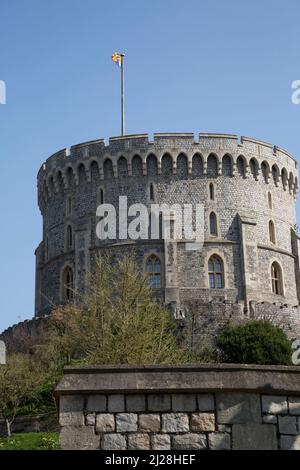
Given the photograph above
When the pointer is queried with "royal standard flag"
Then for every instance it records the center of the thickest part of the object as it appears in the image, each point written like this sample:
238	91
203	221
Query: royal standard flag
117	59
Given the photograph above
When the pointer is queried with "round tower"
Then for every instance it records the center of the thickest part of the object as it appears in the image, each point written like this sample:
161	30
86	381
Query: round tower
247	188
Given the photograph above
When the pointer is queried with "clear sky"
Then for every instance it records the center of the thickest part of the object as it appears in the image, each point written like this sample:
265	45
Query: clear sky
191	65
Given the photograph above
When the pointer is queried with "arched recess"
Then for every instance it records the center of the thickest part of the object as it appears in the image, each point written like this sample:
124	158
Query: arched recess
241	166
81	171
51	184
284	178
197	165
296	186
275	174
211	191
253	164
67	284
122	167
277	279
272	236
216	272
108	169
270	201
94	171
227	165
213	224
152	165
137	166
60	181
212	166
182	166
265	170
167	165
70	177
154	272
69	240
291	182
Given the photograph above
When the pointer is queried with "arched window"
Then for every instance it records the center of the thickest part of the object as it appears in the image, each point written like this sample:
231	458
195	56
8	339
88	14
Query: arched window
253	167
272	232
216	272
270	204
265	172
211	192
276	276
68	284
69	238
213	228
275	174
151	191
153	269
284	178
212	166
226	166
240	163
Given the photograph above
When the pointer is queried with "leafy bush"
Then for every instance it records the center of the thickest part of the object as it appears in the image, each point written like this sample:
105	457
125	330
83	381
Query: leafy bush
257	342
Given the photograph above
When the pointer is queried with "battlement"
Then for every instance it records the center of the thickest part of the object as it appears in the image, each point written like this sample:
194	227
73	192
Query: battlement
264	160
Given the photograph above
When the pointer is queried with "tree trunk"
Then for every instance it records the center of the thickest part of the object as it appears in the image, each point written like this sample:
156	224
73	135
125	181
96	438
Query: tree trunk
8	427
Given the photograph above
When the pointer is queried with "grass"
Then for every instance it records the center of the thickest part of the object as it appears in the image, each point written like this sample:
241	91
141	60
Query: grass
30	441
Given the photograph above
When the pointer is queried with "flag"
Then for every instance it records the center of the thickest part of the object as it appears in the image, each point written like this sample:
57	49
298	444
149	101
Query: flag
117	59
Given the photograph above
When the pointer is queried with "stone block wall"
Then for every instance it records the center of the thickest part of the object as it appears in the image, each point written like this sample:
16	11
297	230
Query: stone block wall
180	408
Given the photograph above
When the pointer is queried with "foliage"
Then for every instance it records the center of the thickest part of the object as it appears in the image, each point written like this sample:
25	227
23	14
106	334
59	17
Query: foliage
30	441
18	381
257	342
118	322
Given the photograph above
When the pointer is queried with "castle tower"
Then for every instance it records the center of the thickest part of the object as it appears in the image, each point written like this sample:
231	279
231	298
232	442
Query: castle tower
248	189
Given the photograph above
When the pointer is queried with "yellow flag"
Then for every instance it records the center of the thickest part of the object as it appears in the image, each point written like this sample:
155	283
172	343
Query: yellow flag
117	58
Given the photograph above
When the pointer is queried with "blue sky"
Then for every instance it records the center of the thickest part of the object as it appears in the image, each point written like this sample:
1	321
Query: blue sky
191	65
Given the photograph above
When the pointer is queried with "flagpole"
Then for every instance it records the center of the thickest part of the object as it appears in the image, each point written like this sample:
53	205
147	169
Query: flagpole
122	95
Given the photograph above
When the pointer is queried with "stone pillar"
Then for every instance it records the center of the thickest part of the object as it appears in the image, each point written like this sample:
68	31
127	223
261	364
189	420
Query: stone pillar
249	257
82	258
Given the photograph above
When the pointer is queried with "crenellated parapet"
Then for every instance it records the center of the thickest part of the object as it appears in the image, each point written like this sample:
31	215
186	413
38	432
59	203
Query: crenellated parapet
123	155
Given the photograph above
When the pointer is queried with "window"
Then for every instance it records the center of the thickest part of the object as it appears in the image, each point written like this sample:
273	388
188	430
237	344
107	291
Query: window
240	163
253	168
69	238
272	232
153	269
216	272
276	276
213	230
68	284
265	172
212	166
270	201
151	192
101	196
211	192
69	206
226	166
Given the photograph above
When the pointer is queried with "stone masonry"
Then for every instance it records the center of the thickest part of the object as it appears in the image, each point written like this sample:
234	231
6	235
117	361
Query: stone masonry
221	407
246	183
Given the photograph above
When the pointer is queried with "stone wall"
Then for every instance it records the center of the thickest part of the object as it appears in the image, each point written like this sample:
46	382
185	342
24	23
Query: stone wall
46	422
216	407
178	168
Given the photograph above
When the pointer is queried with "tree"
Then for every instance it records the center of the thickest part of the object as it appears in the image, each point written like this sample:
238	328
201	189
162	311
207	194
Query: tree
116	322
18	381
257	342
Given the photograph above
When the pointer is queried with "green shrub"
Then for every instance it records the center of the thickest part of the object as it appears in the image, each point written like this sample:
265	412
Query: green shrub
257	342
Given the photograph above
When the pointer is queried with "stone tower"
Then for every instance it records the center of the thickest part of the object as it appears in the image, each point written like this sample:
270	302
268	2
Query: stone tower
248	188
